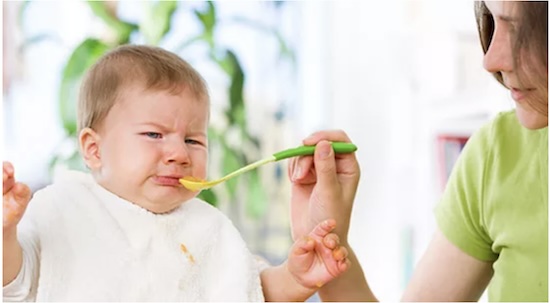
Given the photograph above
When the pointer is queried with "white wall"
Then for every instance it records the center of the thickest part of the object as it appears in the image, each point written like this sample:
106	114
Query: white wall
393	75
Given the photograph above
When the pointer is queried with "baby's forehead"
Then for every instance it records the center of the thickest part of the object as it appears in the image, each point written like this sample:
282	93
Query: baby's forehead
139	87
134	94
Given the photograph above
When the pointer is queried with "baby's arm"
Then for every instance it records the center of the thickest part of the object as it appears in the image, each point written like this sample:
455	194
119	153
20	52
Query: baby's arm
16	196
313	261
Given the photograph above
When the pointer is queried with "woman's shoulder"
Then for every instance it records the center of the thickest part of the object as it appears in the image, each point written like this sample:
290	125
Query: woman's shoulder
506	120
506	132
504	128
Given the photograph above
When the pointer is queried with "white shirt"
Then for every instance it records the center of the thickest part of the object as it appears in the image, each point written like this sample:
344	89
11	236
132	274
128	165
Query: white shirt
83	243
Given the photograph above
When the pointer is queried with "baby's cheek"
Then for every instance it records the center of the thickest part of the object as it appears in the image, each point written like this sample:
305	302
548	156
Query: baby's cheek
200	171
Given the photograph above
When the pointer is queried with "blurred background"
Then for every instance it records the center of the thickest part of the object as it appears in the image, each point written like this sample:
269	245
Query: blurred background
403	78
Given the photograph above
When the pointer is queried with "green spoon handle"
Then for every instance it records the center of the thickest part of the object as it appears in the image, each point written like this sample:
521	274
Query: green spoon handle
339	148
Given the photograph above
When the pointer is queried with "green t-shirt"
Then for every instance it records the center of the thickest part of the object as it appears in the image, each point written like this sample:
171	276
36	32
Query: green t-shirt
495	207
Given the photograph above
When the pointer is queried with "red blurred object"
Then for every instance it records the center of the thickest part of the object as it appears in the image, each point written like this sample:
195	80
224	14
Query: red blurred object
449	148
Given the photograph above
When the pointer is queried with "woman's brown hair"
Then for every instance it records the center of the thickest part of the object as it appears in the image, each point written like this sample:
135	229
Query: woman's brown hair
152	67
531	37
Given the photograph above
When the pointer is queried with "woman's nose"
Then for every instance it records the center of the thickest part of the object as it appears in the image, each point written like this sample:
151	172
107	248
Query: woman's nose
498	57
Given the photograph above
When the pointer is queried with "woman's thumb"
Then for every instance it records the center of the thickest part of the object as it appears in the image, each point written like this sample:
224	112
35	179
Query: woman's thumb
325	165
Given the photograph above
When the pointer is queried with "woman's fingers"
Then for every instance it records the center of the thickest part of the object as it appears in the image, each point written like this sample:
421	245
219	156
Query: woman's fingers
329	135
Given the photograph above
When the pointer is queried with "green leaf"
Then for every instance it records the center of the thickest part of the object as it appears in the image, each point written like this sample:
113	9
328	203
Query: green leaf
84	56
122	29
237	117
209	196
256	200
208	17
230	163
224	63
213	134
208	22
252	139
157	21
235	112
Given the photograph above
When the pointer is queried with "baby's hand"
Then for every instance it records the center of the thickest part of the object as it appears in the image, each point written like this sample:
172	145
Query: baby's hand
16	197
317	258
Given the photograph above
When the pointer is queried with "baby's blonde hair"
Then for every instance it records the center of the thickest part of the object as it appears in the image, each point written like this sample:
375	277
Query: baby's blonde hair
152	67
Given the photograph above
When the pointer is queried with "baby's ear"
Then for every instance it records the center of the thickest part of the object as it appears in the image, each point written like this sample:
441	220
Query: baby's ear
89	147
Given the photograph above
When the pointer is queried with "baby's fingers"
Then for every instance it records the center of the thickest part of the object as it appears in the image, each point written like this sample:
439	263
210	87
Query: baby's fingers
7	177
303	246
21	193
323	229
340	253
14	205
331	240
344	265
7	167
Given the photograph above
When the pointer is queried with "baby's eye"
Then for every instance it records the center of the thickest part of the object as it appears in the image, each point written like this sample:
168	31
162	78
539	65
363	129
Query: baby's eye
191	141
153	135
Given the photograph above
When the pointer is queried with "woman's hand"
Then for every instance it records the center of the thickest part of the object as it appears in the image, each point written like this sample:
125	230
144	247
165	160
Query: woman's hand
323	185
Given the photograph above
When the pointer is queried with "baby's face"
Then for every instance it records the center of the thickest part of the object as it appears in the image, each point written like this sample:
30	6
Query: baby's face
148	141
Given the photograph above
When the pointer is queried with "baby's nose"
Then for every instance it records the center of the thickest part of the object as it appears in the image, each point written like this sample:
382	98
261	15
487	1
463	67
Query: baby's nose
178	153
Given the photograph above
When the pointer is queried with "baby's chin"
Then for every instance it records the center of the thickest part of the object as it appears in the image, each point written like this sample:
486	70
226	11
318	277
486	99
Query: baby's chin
163	205
160	208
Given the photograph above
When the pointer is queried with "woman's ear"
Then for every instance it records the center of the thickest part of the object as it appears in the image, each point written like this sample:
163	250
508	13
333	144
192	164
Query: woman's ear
89	146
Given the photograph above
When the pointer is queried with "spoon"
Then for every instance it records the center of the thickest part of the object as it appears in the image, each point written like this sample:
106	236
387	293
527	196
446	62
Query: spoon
194	184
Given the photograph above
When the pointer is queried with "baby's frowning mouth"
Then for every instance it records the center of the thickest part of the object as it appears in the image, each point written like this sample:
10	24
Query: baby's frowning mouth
167	180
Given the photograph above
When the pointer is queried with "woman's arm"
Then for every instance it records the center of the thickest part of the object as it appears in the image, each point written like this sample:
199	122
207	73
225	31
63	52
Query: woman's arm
445	273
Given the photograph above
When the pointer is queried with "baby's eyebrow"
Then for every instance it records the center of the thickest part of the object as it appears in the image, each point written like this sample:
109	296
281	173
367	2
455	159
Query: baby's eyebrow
198	133
156	124
165	128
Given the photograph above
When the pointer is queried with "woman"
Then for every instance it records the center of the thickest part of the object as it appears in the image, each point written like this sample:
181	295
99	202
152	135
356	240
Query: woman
493	217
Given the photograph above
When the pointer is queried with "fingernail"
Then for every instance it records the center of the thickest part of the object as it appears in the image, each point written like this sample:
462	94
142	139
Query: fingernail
328	224
325	151
308	137
297	173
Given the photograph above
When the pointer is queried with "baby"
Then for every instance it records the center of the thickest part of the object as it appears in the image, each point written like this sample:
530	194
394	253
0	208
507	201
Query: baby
128	231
